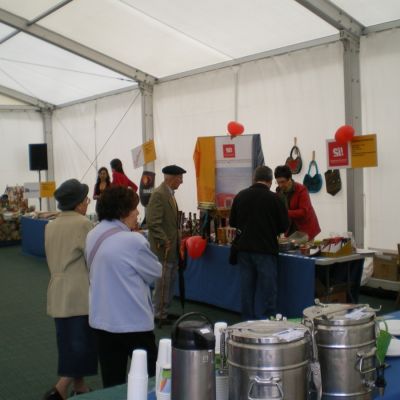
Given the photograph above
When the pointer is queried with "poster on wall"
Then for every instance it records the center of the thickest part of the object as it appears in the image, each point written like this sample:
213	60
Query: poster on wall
47	189
360	152
31	190
143	154
364	151
339	154
224	166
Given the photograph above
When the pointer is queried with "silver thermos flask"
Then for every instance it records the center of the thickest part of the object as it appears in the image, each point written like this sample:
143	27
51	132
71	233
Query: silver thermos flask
193	369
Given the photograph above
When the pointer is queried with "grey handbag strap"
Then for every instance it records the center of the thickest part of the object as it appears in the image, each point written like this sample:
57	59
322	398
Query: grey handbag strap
99	241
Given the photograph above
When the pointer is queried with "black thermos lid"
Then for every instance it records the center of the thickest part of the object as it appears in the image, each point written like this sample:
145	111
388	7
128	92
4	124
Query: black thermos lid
193	334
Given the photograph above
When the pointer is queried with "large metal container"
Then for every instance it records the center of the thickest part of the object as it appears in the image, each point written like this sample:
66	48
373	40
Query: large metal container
346	337
193	367
268	360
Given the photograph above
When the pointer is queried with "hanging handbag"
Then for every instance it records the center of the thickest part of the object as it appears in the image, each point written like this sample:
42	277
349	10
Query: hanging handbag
313	183
295	164
332	181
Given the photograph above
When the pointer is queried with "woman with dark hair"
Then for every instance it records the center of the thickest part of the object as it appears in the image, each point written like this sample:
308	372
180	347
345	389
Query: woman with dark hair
298	203
102	183
122	268
119	177
68	290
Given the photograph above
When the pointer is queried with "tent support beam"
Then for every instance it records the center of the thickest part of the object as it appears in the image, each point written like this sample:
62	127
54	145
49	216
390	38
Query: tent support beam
47	116
350	32
259	56
333	15
33	101
352	102
146	91
49	36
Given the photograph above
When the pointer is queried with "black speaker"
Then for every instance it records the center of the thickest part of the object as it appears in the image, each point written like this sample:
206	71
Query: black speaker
38	157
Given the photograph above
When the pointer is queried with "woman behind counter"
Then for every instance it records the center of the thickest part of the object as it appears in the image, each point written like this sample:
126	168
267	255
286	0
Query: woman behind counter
102	183
119	177
122	268
300	210
68	290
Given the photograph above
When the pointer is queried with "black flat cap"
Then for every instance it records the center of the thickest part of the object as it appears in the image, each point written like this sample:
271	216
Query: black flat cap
173	170
70	193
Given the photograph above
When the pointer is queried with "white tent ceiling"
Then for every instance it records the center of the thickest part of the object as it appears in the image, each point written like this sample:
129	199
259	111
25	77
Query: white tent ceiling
157	38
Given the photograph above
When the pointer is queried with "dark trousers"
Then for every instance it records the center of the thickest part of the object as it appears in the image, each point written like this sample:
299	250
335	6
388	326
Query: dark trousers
116	348
259	284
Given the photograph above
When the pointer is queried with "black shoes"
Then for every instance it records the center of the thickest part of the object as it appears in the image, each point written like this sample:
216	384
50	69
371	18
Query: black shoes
53	394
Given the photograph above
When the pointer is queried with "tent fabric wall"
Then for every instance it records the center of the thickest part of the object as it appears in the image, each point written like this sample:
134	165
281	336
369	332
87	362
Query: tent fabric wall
380	83
300	94
17	130
81	131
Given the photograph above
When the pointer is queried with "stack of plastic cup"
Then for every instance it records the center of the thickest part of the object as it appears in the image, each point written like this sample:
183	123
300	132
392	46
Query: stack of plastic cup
164	386
221	376
138	378
163	361
218	328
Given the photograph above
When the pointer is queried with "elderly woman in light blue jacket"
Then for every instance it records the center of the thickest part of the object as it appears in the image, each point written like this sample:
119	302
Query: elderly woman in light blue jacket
121	269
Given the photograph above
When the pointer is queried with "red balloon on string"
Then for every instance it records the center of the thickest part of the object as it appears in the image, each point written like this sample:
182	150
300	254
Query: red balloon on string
344	134
235	128
195	246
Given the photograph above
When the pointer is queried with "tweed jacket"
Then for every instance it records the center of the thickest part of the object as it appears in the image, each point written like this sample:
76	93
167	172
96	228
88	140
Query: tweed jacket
162	222
68	290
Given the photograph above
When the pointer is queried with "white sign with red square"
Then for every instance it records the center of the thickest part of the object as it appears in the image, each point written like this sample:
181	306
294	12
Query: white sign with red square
339	155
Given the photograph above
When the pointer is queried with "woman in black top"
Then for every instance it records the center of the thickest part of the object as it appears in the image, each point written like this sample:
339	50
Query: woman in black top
103	182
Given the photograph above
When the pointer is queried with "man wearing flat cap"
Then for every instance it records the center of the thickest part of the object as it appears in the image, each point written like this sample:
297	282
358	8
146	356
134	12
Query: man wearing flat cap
162	222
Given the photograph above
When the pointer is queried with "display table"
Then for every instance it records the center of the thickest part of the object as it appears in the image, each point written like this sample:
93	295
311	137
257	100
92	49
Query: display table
33	236
392	374
211	279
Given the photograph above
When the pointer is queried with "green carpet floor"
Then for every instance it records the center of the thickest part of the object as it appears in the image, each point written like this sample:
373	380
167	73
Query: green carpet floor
28	356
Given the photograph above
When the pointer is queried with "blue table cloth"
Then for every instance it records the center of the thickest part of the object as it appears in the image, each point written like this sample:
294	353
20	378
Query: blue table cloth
33	236
211	279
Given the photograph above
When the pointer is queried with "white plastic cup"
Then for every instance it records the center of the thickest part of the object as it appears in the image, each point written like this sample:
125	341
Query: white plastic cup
164	351
163	390
139	364
218	328
138	378
137	387
163	357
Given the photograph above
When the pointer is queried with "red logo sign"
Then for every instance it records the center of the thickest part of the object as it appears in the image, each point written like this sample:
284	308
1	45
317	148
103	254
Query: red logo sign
338	155
229	150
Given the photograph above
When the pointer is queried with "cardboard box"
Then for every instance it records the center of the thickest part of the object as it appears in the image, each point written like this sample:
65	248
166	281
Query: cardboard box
386	266
338	250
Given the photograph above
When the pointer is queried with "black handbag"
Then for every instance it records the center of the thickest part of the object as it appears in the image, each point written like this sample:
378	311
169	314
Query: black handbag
313	183
295	164
332	181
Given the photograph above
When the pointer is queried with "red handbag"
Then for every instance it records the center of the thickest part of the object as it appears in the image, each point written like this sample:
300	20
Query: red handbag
295	164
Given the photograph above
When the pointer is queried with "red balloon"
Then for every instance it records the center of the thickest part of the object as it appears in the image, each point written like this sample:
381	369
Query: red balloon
344	134
235	128
195	246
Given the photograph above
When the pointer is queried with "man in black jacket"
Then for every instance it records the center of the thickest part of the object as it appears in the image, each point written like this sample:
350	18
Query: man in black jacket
259	216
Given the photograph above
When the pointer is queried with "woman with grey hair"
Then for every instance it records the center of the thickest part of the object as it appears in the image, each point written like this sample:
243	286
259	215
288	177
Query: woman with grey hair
68	290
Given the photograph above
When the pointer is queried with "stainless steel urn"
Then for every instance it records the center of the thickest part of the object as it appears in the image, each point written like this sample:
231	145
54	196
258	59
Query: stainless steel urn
346	338
193	367
268	360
